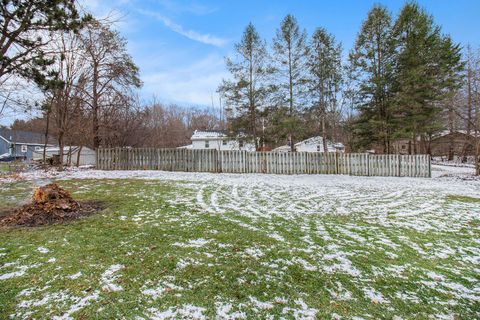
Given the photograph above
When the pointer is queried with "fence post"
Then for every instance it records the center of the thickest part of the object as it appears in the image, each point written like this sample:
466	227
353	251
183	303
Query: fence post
368	164
96	159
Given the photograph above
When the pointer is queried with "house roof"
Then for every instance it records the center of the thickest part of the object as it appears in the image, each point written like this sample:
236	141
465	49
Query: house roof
282	148
448	132
319	140
189	146
22	137
312	140
201	135
66	149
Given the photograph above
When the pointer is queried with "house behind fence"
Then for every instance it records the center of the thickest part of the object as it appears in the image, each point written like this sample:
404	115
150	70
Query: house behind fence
72	155
263	162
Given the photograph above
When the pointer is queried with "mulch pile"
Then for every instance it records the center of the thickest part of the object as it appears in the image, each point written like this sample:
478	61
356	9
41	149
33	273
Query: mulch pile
51	204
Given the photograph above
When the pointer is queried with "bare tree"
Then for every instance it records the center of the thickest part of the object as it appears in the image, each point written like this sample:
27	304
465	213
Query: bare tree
64	99
112	70
464	109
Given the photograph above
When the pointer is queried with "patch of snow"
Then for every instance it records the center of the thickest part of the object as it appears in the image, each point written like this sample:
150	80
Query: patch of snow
80	304
160	290
43	250
187	311
224	312
197	243
254	252
374	296
75	276
108	278
260	304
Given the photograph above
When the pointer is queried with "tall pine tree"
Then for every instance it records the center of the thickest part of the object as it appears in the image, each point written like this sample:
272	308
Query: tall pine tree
248	89
428	70
372	63
324	64
290	55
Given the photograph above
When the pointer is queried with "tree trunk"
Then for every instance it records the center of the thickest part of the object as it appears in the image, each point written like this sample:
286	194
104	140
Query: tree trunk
78	155
469	100
96	137
290	87
61	146
477	159
324	135
69	157
46	136
414	143
252	103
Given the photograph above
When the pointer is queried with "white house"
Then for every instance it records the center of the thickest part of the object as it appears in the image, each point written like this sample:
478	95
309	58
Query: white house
313	144
70	155
218	140
284	148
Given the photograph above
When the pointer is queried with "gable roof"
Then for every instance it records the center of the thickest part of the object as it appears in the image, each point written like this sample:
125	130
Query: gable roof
200	135
312	140
21	137
454	132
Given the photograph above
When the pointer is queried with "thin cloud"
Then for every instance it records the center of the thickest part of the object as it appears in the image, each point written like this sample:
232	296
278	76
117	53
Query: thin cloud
190	34
193	83
194	8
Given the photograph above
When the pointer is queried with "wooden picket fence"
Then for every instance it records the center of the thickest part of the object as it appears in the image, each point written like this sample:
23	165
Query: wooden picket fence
359	164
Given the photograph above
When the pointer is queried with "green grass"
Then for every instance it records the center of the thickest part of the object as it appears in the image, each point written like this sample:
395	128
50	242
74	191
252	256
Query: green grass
4	167
463	199
145	224
11	167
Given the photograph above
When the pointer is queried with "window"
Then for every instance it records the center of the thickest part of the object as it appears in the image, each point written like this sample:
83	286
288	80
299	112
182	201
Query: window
404	147
24	148
207	144
318	148
224	142
240	143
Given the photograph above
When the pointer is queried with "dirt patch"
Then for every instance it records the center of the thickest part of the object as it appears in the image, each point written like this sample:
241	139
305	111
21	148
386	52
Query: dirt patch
51	204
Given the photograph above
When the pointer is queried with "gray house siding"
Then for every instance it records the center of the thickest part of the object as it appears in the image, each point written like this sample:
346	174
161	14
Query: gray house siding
11	142
17	150
4	146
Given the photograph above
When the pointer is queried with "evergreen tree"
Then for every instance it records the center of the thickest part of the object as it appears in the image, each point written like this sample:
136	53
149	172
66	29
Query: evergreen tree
247	92
372	63
324	63
25	25
290	55
428	66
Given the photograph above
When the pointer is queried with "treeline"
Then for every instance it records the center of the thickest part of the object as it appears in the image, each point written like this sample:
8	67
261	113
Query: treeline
402	80
86	79
150	124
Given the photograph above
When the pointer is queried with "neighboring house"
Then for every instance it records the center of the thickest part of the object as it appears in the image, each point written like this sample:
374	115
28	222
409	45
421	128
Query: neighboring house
20	143
218	141
71	155
313	144
402	146
446	143
455	143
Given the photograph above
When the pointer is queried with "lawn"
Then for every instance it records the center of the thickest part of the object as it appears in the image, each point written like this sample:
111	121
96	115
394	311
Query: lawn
197	246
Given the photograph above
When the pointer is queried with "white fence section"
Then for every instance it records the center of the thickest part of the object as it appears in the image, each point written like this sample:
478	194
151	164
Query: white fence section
263	162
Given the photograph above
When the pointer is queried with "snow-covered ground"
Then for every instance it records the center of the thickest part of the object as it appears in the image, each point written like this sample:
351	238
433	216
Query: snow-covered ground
412	223
440	173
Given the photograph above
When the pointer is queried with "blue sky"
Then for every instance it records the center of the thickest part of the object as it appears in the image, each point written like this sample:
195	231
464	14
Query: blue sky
180	45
